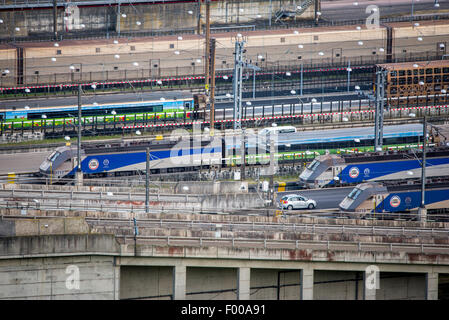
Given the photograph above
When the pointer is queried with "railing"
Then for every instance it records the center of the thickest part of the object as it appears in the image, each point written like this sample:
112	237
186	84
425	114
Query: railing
286	244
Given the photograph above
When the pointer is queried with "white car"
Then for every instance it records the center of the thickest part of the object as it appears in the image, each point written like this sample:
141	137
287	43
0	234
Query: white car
296	201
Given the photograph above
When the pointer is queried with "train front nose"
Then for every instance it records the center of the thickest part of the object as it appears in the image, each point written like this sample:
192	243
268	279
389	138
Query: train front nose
45	167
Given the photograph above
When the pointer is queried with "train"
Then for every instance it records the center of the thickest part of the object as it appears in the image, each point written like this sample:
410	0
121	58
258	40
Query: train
371	198
110	105
171	155
331	169
119	159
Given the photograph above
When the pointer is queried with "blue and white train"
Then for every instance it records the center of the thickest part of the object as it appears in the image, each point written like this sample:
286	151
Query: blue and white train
329	170
110	160
374	197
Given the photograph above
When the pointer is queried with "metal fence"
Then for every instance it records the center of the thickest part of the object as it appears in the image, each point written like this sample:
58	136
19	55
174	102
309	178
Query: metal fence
107	29
184	77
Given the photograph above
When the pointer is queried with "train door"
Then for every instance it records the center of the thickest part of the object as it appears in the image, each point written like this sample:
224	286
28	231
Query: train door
441	48
378	201
337	55
155	68
336	171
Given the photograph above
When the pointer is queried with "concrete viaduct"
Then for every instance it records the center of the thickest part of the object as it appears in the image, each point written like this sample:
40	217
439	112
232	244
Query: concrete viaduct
65	255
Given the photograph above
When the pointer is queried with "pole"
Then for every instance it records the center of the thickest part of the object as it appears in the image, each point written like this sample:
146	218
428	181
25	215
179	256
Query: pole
302	71
379	116
254	83
237	83
207	62
199	18
272	169
79	172
118	17
271	12
55	19
422	212
413	8
242	154
212	85
349	73
147	188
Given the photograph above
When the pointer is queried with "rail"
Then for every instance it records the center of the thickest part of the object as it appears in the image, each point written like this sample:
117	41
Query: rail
285	244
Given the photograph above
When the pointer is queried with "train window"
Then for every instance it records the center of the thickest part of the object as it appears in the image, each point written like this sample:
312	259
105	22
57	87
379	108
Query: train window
58	51
53	156
437	70
315	163
132	48
429	71
282	40
354	193
401	73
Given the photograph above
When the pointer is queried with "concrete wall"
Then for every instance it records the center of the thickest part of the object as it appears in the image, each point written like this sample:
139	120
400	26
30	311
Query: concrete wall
337	285
264	284
25	227
401	286
211	279
146	282
214	187
46	278
12	247
170	16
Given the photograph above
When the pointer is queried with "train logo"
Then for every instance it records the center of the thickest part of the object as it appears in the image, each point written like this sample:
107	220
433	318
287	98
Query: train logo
395	201
106	163
366	172
93	164
354	172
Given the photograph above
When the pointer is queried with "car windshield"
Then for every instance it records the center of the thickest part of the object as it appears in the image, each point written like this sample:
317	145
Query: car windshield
284	198
53	156
354	193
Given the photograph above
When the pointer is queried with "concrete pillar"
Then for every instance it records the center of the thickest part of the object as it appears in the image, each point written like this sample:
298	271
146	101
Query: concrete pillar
116	282
432	286
243	283
179	282
370	284
306	284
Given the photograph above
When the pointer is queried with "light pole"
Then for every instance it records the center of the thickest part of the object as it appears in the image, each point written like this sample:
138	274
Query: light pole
79	172
147	189
422	211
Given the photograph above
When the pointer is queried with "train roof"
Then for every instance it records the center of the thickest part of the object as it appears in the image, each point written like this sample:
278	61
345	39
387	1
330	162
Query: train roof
409	65
336	135
100	99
